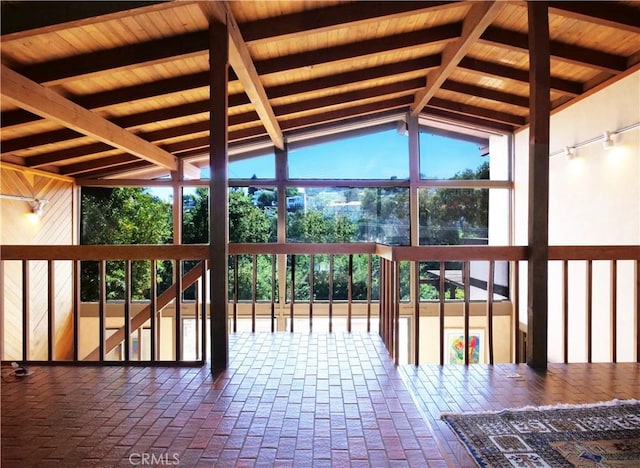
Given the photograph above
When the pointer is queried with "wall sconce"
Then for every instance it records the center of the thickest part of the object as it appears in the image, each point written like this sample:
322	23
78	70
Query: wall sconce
36	204
608	140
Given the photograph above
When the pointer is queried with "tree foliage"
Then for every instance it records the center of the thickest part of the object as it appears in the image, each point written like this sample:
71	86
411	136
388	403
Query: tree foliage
123	216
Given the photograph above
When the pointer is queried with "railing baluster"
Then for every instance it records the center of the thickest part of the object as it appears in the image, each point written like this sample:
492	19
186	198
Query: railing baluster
441	297
203	311
416	314
196	317
51	310
565	310
26	326
396	314
490	309
311	284
383	298
349	292
154	319
254	287
614	311
127	311
178	310
273	292
293	291
330	293
589	309
369	291
467	291
76	309
235	293
102	308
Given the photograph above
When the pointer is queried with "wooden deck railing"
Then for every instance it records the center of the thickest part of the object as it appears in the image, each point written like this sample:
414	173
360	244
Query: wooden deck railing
389	291
132	322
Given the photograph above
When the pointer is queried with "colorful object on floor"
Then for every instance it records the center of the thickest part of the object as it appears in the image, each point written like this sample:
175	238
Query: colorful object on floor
605	434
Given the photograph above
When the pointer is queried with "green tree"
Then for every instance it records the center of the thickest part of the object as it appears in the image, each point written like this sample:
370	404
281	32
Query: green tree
122	216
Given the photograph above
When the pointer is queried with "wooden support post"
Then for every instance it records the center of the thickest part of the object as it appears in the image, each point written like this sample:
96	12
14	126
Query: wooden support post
218	188
540	102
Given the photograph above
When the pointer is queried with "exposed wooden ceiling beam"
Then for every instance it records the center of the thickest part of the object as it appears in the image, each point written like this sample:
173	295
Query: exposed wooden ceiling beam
236	119
102	163
78	152
559	50
242	63
479	17
127	121
486	93
118	58
619	16
341	114
419	38
356	76
197	80
406	86
43	101
474	121
327	18
20	18
100	172
573	88
475	111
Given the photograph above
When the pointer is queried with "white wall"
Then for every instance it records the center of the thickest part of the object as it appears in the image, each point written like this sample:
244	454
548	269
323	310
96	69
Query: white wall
594	200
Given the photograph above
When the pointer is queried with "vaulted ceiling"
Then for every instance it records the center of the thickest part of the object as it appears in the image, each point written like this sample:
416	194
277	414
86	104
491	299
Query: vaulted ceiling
121	89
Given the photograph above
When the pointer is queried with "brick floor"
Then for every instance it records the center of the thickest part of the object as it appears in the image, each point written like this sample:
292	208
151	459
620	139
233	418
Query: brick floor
287	400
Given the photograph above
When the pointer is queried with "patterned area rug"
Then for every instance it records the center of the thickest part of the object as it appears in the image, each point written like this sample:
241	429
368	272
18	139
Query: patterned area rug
601	435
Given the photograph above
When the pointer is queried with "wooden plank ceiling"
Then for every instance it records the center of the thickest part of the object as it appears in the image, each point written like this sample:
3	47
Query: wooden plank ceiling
119	89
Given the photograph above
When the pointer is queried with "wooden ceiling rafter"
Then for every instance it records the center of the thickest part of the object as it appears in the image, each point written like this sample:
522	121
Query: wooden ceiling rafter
432	35
34	97
569	53
127	122
470	110
407	86
117	96
562	85
17	25
467	119
625	17
327	18
155	51
480	16
486	93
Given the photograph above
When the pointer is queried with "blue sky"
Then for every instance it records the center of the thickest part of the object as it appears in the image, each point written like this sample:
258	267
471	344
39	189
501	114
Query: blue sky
373	156
380	155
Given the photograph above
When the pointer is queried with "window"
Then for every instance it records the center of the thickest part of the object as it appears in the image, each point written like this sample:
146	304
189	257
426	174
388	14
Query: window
452	157
376	155
342	214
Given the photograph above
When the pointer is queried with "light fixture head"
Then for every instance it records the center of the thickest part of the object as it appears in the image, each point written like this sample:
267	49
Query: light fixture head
569	152
608	140
37	206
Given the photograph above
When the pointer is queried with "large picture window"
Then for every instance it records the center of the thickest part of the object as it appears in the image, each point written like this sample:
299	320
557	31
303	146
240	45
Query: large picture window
339	214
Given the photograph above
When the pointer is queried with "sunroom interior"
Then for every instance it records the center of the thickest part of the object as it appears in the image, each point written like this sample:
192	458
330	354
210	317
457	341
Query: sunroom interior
333	106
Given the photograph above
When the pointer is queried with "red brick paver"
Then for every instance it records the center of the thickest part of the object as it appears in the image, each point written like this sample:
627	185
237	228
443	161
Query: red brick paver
287	400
